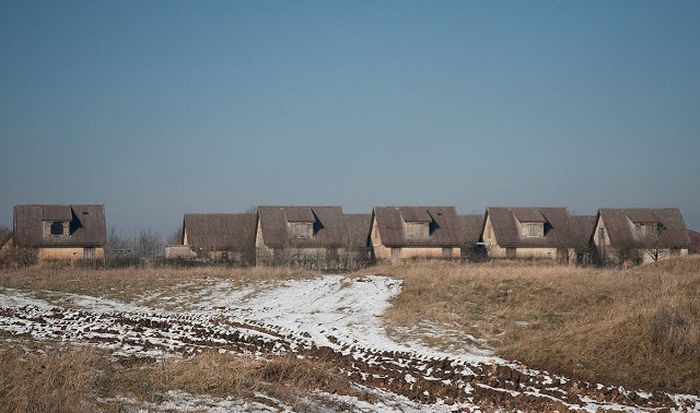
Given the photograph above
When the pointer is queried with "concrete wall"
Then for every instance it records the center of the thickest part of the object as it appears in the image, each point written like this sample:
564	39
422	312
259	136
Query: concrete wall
179	251
66	253
492	248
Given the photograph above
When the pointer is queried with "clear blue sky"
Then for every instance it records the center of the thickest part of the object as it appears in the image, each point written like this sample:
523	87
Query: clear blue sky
157	108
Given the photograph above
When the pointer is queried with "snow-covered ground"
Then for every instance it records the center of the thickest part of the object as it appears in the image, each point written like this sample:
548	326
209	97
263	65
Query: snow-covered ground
302	317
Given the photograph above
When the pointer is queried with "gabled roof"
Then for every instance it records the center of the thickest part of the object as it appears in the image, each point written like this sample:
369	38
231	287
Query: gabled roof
87	225
328	222
221	232
357	227
582	229
617	224
557	228
446	227
471	228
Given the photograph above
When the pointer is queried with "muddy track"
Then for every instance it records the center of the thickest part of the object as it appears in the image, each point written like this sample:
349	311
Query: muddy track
418	377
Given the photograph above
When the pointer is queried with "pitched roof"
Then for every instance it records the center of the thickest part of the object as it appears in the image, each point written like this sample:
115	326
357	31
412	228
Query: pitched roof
621	233
299	215
529	215
557	227
471	228
56	213
87	225
221	232
446	227
357	227
582	229
328	223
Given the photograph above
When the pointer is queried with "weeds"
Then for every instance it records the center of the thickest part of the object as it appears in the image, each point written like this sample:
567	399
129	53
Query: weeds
637	327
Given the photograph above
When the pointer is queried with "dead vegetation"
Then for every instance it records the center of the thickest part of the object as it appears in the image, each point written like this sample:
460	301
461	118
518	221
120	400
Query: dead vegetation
67	379
60	381
638	328
127	283
227	375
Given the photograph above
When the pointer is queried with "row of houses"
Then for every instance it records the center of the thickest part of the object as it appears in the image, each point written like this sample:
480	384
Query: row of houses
321	235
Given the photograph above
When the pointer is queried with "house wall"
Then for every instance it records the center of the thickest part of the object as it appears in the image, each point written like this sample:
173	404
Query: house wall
427	252
602	244
66	253
263	254
543	253
179	251
489	236
381	252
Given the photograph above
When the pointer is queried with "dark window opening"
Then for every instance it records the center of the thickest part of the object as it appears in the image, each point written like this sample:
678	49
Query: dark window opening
57	228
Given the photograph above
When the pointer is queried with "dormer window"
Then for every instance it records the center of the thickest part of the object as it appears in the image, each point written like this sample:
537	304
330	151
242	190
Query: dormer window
643	230
417	223
301	229
532	229
417	230
56	221
56	229
530	222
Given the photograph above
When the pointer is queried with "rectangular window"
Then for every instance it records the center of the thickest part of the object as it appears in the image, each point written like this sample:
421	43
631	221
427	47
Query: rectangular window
56	229
447	253
510	252
395	254
534	230
301	229
415	230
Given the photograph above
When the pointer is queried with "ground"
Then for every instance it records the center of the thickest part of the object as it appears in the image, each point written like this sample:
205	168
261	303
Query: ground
408	338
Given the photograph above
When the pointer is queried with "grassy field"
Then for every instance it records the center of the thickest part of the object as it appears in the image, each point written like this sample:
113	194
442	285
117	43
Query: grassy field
63	379
126	283
638	327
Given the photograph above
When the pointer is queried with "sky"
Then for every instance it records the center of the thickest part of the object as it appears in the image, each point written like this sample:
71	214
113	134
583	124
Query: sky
158	108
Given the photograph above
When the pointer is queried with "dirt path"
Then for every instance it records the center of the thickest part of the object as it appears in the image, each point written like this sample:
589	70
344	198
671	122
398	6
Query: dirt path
427	378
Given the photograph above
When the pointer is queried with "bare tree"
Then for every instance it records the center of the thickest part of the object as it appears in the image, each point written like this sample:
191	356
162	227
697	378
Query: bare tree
175	237
628	254
117	246
652	243
148	244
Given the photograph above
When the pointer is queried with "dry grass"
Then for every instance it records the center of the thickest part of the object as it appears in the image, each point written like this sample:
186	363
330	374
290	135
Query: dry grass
638	328
127	283
60	381
66	379
228	375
